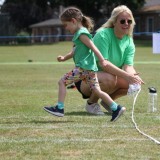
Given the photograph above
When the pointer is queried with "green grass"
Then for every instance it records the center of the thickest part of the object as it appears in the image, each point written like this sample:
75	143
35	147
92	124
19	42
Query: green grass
28	132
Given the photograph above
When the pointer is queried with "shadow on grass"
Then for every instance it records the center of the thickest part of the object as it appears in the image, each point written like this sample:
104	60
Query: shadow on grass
49	121
59	120
77	113
84	114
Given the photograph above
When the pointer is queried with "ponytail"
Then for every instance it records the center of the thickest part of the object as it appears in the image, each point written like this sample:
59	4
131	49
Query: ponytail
88	23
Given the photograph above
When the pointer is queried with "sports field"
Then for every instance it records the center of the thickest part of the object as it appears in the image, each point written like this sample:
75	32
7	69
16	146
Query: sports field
28	132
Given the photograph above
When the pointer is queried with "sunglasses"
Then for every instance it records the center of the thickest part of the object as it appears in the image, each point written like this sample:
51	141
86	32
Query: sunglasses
123	21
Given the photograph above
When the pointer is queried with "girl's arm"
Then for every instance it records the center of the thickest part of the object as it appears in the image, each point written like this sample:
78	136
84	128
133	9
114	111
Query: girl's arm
66	57
91	45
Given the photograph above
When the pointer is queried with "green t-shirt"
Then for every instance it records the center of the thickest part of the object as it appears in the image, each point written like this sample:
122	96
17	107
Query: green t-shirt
118	51
83	56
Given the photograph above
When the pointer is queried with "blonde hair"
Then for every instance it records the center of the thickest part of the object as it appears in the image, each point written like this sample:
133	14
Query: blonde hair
73	12
116	11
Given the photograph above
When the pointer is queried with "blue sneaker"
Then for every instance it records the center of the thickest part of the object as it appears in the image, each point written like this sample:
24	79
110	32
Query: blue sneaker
55	111
116	114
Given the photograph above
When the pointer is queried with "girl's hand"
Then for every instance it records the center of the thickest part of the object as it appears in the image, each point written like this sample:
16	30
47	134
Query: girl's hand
103	64
60	58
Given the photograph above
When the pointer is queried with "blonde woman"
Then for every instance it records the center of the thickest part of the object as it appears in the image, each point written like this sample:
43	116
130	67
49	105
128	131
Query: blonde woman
115	42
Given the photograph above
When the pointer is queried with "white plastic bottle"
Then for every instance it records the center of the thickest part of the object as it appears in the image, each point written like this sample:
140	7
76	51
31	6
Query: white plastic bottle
152	99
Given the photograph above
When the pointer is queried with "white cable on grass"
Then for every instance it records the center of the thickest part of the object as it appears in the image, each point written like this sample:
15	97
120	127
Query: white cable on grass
134	101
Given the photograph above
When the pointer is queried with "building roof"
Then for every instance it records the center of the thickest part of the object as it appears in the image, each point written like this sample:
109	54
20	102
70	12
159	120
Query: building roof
153	8
49	22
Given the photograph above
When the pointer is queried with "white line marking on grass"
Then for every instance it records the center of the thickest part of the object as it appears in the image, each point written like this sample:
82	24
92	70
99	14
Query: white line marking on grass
147	62
54	126
18	126
35	63
66	63
63	140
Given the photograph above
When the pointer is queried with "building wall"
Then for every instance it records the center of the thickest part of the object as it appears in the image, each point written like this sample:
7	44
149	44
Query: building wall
49	34
147	20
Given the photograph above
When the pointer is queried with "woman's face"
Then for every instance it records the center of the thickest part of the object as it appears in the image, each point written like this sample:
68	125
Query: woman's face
122	25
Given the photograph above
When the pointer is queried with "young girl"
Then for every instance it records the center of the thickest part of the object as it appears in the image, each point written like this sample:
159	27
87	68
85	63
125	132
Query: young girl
85	65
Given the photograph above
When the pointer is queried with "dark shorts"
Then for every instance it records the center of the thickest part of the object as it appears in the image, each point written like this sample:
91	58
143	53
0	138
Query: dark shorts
78	86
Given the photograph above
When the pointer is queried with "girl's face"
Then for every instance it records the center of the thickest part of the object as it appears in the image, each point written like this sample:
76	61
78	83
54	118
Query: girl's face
70	26
122	25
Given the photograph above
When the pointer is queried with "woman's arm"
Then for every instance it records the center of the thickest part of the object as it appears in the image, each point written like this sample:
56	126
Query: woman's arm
129	69
108	66
128	74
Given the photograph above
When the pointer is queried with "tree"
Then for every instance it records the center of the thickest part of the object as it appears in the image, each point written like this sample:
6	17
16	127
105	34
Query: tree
94	7
26	12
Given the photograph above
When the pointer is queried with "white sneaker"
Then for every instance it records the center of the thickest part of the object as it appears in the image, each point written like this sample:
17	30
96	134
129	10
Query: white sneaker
106	107
94	109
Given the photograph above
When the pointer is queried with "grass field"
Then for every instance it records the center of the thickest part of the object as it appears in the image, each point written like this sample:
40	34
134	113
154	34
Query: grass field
28	132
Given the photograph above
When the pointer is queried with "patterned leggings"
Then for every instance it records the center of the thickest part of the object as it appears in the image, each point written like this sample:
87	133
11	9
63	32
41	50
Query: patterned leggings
90	77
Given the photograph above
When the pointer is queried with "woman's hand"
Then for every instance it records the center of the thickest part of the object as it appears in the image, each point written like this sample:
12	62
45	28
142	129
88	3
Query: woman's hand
134	78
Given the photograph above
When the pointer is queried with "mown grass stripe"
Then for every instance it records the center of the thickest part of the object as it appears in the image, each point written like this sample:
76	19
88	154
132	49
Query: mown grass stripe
64	140
66	63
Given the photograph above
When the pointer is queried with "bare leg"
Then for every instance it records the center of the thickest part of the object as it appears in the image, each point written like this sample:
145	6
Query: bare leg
119	93
116	87
62	91
121	88
58	110
107	83
103	95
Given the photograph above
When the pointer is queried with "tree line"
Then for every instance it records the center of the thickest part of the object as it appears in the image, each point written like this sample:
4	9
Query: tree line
27	12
